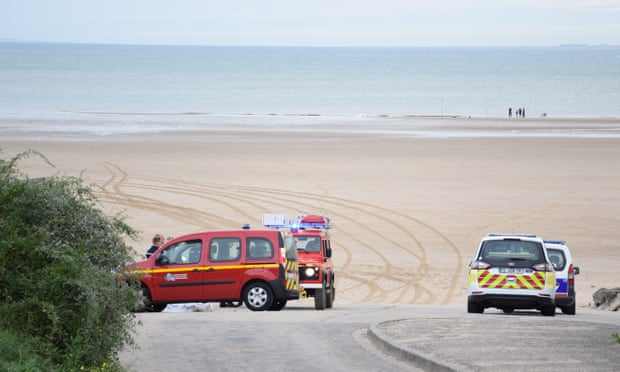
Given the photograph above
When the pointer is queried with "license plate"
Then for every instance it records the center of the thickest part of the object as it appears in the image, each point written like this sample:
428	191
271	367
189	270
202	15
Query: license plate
511	270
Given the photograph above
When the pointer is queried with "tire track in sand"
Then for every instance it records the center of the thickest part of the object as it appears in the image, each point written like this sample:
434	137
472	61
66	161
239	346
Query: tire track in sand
384	273
381	278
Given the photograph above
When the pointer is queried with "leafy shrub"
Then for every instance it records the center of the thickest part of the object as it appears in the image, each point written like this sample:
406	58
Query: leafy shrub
61	304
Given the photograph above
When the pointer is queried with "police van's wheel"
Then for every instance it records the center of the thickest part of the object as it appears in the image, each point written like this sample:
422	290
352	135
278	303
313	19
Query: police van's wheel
320	298
548	310
473	307
569	310
258	296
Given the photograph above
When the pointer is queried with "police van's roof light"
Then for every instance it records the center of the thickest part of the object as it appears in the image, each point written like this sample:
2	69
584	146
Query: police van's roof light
560	242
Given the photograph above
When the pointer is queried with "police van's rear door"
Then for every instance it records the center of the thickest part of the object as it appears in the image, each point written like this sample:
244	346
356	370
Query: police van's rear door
514	265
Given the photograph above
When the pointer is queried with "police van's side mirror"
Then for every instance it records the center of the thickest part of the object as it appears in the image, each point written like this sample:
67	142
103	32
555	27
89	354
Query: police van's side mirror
162	259
576	270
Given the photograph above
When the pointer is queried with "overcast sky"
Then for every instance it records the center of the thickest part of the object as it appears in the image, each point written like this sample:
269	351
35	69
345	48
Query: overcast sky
314	23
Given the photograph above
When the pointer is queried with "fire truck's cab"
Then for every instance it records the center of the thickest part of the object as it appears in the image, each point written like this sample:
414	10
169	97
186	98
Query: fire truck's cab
316	268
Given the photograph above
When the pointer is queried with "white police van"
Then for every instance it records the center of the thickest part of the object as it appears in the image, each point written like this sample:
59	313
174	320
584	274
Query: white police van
565	271
511	271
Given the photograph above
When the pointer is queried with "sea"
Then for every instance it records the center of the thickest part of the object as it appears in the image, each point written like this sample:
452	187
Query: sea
134	85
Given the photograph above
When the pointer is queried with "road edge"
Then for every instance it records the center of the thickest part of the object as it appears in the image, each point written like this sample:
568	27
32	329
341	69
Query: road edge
419	359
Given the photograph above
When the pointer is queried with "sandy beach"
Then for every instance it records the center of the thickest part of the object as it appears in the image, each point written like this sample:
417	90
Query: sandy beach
409	199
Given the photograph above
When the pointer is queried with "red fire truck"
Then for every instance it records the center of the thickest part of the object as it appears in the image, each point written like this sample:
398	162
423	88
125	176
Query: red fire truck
316	269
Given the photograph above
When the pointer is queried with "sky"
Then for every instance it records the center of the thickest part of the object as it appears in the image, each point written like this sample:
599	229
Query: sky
387	23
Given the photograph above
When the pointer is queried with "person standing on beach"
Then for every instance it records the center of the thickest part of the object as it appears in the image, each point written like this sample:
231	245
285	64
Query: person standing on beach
158	240
509	112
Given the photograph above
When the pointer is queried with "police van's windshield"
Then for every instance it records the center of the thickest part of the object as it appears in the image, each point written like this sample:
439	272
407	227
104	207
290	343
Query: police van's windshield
514	250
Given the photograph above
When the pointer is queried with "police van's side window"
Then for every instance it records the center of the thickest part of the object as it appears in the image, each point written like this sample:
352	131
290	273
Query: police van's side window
187	252
224	249
259	248
557	258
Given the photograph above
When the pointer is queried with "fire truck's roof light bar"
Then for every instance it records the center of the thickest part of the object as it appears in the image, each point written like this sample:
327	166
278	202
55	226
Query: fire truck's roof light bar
315	225
304	222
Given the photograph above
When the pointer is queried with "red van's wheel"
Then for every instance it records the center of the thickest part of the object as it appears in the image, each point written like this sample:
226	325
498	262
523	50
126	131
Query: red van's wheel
148	303
258	296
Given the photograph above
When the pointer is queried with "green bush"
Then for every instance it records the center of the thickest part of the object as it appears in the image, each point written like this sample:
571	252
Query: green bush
62	306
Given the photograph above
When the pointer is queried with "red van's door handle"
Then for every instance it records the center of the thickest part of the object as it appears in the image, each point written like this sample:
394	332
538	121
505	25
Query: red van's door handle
210	269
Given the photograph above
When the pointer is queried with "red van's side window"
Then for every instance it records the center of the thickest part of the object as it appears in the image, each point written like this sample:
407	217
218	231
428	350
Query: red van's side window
259	248
187	252
225	249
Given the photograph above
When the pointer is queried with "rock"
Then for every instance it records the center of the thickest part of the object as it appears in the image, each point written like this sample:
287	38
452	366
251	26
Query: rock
606	299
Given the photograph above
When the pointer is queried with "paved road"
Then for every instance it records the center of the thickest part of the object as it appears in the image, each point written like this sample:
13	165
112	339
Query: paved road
498	342
374	338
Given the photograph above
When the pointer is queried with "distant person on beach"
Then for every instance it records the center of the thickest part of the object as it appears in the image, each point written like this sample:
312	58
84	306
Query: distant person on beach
509	112
158	240
523	112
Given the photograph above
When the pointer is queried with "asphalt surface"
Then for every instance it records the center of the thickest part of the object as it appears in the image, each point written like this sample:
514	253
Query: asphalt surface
495	341
385	338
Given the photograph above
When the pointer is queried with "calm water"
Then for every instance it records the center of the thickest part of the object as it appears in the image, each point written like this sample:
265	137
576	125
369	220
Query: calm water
67	80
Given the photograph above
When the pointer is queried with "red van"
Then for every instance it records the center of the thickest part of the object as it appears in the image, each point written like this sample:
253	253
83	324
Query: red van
258	267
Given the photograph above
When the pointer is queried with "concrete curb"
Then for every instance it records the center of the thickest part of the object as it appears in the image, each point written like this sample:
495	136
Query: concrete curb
419	359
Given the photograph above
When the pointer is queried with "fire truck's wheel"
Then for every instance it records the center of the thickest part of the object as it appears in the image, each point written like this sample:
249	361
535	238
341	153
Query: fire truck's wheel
330	298
320	298
278	305
258	296
231	303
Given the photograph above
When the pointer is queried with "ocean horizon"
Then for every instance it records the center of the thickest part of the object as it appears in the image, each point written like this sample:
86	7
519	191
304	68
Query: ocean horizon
144	85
